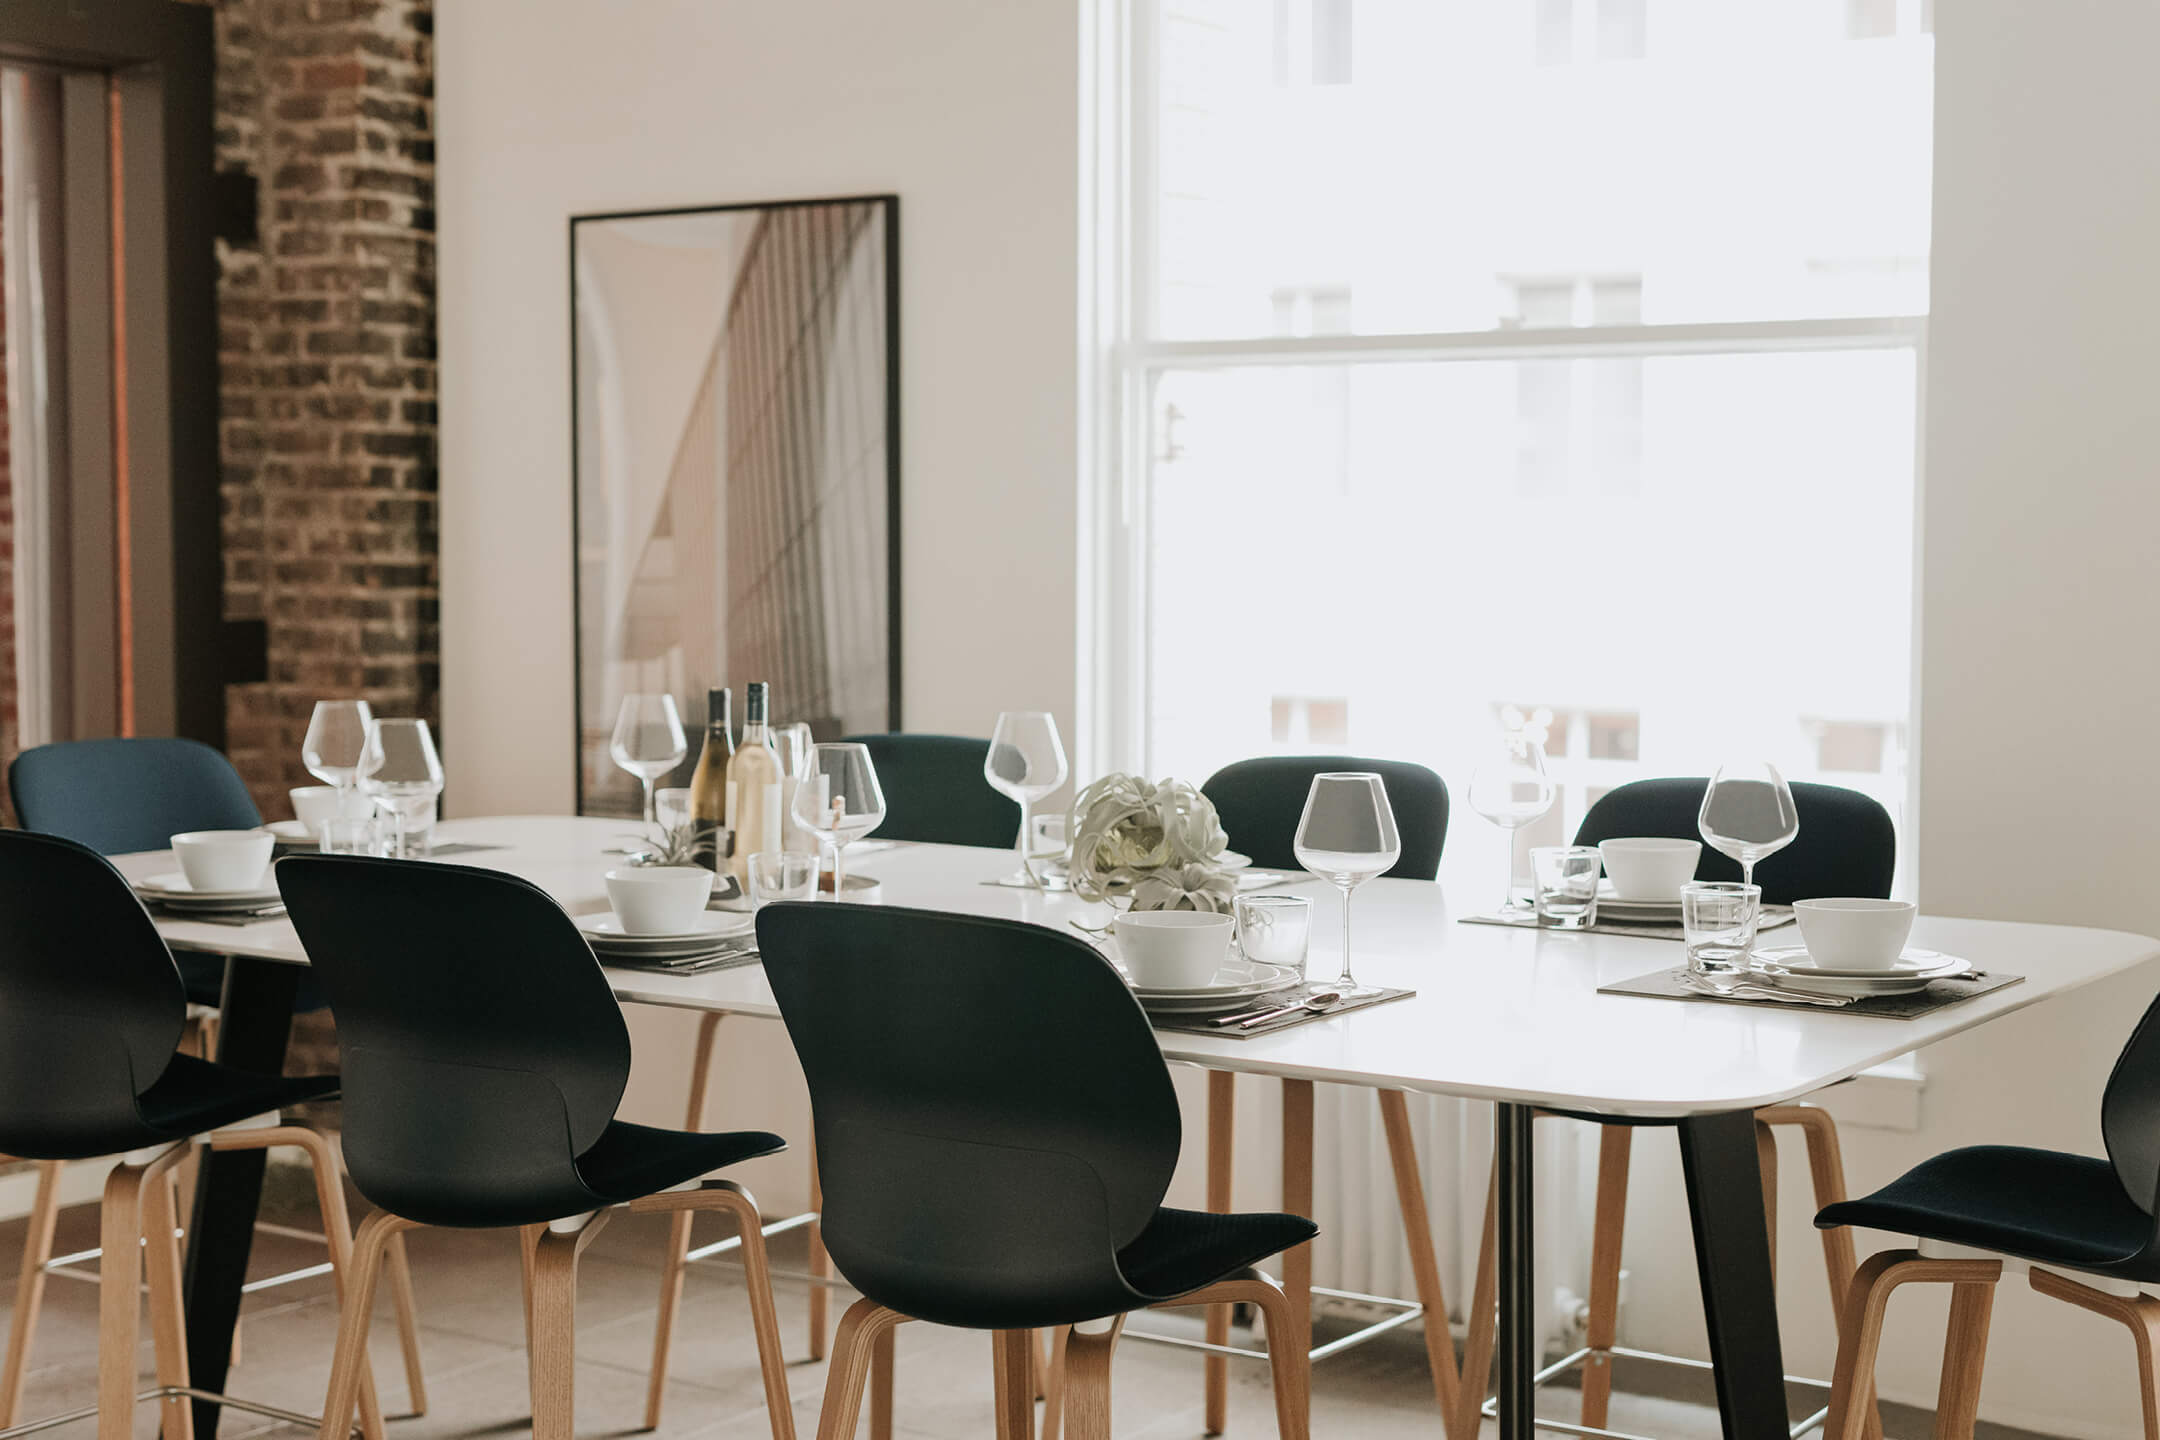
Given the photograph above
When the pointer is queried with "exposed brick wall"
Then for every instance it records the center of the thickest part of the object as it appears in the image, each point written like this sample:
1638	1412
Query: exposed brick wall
327	359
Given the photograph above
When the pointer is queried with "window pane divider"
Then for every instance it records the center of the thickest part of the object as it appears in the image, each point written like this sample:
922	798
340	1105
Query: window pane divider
1588	342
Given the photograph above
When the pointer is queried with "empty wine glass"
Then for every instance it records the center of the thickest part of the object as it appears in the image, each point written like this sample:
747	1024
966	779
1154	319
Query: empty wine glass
1511	789
336	734
839	801
1748	813
400	770
1347	836
648	740
1026	762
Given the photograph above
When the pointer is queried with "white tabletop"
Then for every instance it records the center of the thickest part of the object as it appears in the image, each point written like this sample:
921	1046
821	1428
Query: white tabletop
1500	1014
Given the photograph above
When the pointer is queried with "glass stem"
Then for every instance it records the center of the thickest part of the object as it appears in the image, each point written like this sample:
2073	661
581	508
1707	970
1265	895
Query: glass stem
1747	872
1346	982
839	872
397	828
1027	868
651	814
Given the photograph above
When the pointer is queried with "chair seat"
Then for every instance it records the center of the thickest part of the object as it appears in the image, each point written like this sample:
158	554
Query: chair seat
194	1096
630	1161
2066	1210
1182	1250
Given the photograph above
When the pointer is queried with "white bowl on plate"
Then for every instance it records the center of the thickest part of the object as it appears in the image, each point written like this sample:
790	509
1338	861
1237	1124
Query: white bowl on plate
659	899
225	859
1173	949
1858	934
1649	867
313	804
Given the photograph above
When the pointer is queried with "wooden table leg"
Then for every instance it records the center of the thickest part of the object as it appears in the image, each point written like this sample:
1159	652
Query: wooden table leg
1424	1264
1297	1199
1221	1153
1616	1148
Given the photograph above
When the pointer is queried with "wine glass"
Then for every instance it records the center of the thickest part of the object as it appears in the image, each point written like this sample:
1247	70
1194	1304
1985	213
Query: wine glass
648	740
1026	762
839	801
401	772
1347	836
336	734
1511	789
1748	813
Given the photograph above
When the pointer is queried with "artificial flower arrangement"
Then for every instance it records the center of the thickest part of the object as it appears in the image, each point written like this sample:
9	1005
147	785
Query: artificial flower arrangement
1157	846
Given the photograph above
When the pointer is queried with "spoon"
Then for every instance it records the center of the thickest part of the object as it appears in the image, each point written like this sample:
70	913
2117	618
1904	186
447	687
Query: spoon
1315	1003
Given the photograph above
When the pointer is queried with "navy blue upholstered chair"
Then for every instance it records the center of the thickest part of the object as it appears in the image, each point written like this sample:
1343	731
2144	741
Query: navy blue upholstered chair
1846	845
2081	1227
935	791
1259	802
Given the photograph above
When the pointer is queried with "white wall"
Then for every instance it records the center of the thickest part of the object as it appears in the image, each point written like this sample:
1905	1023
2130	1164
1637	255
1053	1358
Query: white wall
2040	507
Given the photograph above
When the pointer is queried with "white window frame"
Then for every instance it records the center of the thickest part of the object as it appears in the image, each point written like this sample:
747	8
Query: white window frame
1120	365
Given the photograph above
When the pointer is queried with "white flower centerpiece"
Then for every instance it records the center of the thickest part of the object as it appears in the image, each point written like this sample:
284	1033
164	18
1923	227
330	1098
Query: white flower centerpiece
1149	845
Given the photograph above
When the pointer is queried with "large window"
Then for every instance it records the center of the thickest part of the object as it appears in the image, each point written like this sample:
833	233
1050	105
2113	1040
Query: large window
1548	364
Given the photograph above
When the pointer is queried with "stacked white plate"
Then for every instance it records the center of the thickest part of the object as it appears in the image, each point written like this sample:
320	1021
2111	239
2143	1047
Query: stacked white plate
715	936
1238	982
172	891
1635	912
1790	965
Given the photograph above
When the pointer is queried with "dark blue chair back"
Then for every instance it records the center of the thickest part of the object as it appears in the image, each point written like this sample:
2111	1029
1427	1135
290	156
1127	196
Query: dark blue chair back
1846	845
935	791
124	795
1260	802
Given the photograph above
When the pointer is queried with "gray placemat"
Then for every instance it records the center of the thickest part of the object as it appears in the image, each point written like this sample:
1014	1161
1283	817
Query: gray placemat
1665	985
1773	916
1198	1025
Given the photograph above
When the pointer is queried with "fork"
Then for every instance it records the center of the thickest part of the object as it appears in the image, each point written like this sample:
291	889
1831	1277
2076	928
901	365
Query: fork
1744	990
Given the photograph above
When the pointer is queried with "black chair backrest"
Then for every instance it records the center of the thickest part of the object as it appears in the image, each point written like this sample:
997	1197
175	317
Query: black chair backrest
1260	801
994	1118
91	1005
935	791
2130	1115
121	796
481	1049
1846	845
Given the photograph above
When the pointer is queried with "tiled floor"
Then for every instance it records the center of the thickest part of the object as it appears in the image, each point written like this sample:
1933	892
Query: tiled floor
473	1338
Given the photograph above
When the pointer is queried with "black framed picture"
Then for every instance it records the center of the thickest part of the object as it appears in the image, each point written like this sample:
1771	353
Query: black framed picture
736	482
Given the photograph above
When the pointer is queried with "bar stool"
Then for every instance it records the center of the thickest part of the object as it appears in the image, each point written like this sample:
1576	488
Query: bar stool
484	1057
2083	1230
996	1130
91	1012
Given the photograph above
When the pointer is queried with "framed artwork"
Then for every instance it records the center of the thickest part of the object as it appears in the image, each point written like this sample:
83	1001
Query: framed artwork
735	412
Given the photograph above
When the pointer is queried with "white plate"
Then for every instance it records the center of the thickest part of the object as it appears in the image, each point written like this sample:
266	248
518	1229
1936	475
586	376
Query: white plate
710	926
292	832
1237	977
1878	982
1216	1005
1932	964
173	887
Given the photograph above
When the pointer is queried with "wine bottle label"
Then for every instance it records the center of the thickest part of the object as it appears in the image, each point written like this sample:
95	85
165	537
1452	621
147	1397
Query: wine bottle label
729	819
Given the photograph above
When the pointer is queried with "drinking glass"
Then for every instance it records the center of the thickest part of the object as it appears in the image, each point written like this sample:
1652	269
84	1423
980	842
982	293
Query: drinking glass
1026	762
401	772
781	875
648	740
1747	813
839	801
1563	885
1718	919
345	835
791	743
1347	836
1275	930
671	808
1511	789
336	734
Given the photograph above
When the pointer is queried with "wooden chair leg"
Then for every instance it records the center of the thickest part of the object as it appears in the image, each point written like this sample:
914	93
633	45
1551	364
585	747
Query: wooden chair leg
1038	1366
1424	1264
405	1306
1054	1400
1826	1171
168	1315
554	1328
1290	1331
820	1262
1012	1361
348	1363
861	1328
1766	1163
1292	1374
2140	1313
1221	1157
1957	1403
120	1279
1852	1384
30	1289
1087	1380
528	1247
676	1262
1616	1149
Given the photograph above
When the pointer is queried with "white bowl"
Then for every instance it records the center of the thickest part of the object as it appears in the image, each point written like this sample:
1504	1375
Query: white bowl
313	804
1649	867
1173	949
1855	934
659	899
225	859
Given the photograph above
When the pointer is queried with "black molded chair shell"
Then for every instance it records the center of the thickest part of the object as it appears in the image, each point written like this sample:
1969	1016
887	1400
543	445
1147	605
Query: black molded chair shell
1847	844
1260	801
91	1008
483	1053
935	791
124	795
995	1124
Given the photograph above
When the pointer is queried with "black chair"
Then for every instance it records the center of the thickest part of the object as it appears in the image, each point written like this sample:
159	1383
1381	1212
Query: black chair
935	791
2064	1219
996	1131
1259	802
484	1057
1846	845
91	1015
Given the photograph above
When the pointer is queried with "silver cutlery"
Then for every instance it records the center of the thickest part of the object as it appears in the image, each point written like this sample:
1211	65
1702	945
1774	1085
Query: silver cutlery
1745	990
1270	1007
1318	1004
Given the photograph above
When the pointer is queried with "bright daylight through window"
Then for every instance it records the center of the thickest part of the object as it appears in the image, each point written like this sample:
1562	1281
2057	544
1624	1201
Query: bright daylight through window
1577	340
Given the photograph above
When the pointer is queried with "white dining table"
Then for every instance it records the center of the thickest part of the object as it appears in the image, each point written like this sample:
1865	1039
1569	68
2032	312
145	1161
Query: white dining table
1502	1014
